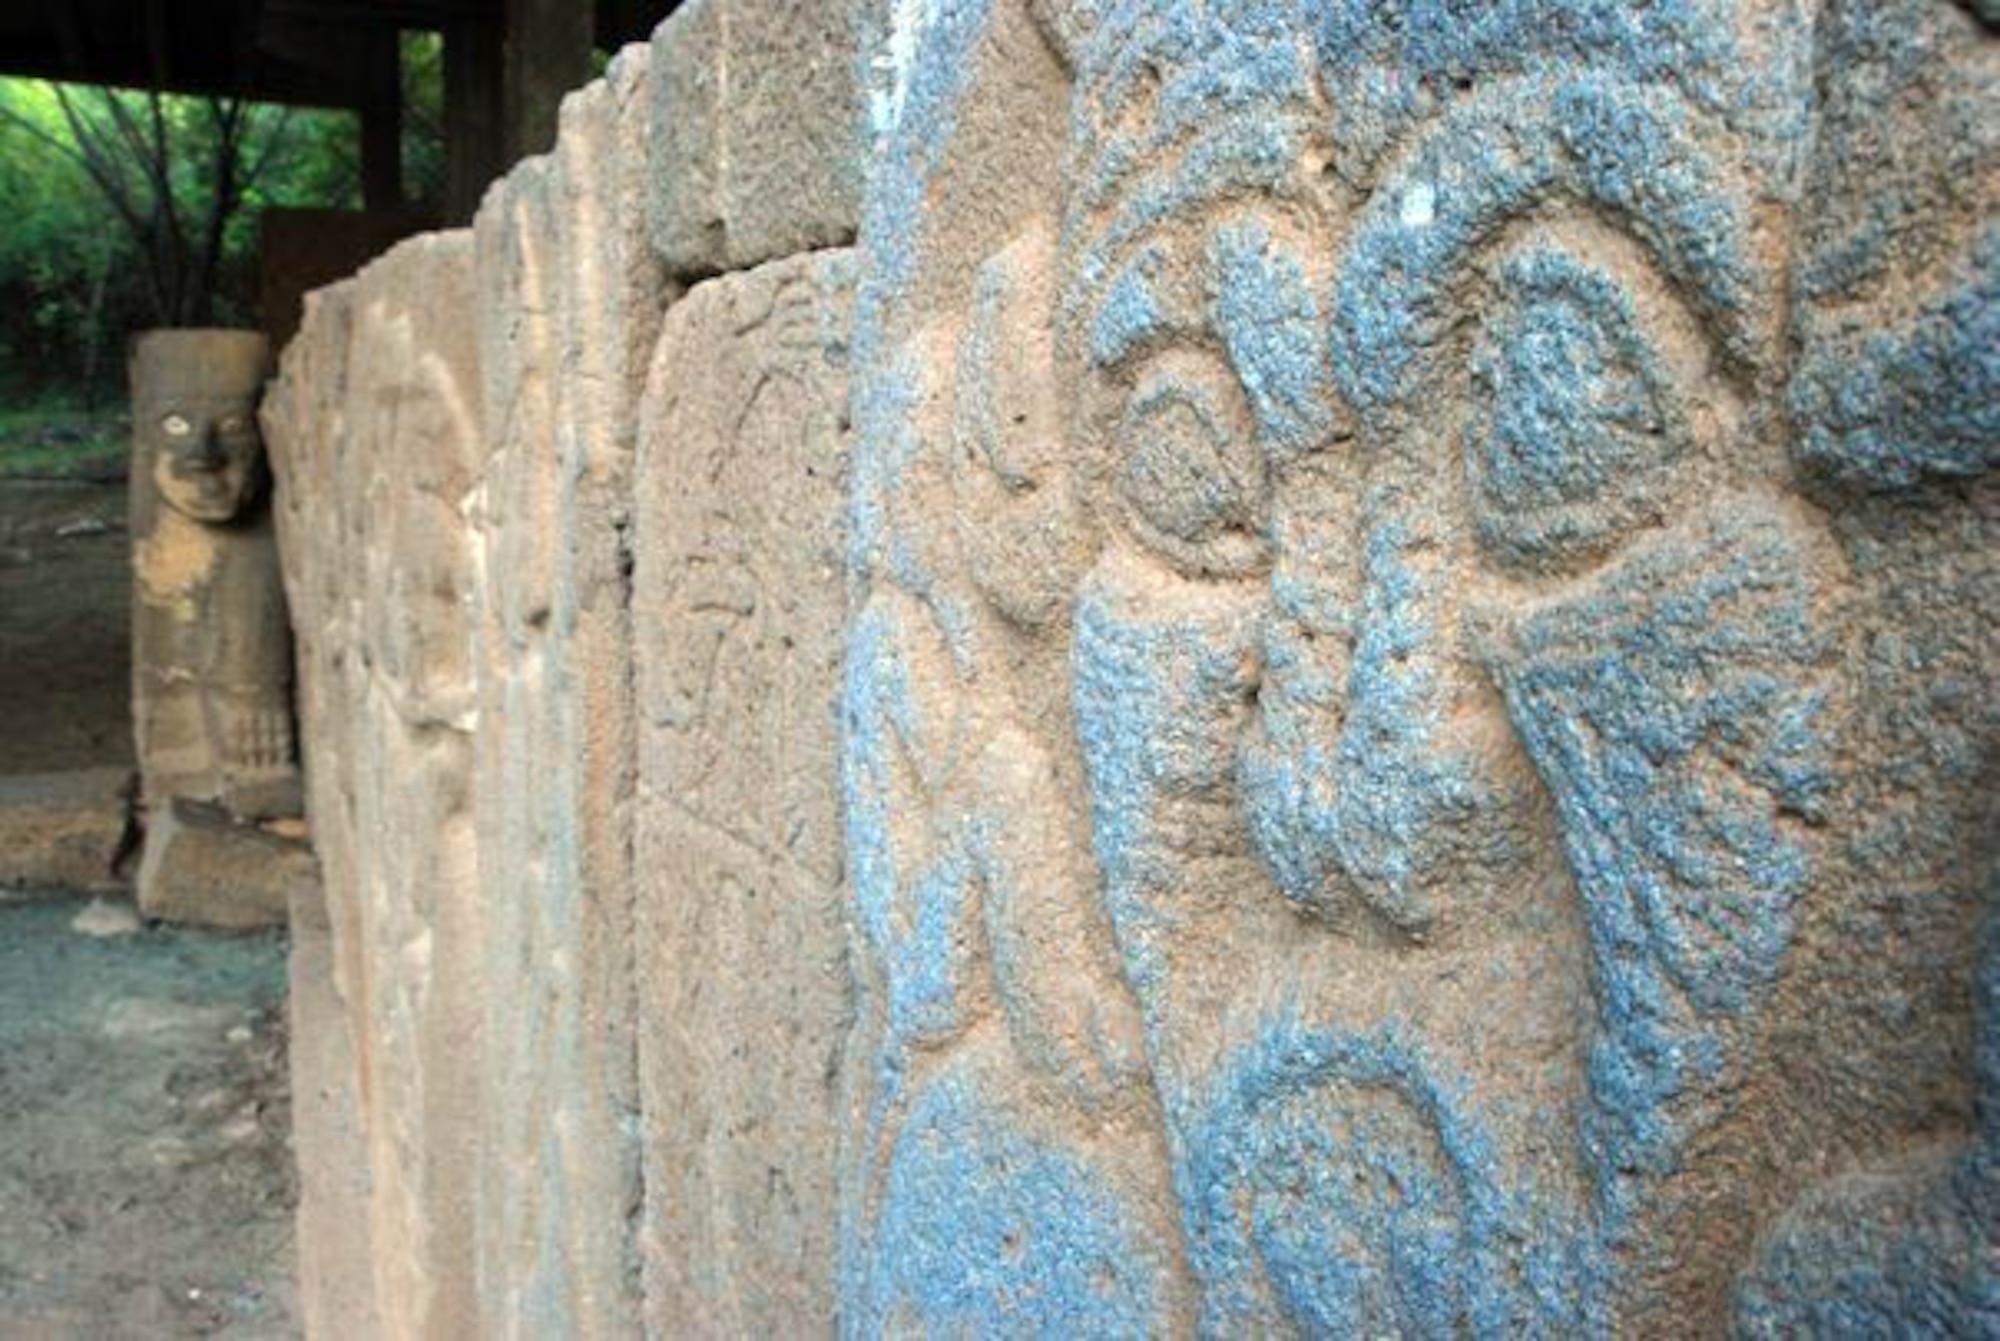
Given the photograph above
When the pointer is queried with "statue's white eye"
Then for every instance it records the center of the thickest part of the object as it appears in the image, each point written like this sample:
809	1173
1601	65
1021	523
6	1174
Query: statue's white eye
174	426
234	424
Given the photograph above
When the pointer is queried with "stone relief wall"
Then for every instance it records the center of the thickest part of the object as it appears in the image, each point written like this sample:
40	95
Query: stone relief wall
375	434
1338	680
739	606
569	297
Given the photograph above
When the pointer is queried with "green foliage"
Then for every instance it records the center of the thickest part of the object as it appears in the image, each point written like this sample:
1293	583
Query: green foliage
52	441
126	210
423	120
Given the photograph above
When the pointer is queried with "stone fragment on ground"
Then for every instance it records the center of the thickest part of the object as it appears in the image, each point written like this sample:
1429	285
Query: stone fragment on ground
104	918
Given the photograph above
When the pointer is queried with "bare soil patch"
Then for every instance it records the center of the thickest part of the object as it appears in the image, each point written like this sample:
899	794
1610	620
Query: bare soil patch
65	627
146	1183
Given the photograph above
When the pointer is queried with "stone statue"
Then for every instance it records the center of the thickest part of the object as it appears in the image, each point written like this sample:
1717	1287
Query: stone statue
1380	488
211	643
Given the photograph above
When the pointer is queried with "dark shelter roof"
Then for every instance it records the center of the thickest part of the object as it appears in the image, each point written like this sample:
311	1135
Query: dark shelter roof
507	63
290	51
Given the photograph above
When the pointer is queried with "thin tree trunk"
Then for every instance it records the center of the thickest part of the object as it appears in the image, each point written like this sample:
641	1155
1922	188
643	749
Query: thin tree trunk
93	340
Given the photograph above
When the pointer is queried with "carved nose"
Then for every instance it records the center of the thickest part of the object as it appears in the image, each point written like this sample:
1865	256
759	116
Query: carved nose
1352	782
1401	783
208	453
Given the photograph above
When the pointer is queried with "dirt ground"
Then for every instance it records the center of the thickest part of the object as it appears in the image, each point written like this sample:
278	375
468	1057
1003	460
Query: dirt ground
65	621
146	1185
146	1178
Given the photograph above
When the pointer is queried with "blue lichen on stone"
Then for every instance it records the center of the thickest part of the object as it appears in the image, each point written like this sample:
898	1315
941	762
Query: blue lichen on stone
1179	108
1156	74
1891	408
1130	314
1265	312
1360	811
986	1230
1675	711
911	919
1194	485
1157	694
1388	65
1574	421
1341	1185
1904	1250
1495	157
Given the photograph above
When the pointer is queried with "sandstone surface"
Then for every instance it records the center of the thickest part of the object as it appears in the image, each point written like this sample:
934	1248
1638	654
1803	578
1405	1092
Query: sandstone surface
569	296
758	138
739	602
375	439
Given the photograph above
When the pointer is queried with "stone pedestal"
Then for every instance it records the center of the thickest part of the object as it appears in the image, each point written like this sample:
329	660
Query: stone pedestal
204	866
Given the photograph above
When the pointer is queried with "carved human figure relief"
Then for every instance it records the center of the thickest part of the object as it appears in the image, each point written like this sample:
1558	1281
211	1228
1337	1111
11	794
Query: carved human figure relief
212	664
1461	660
1001	1153
406	475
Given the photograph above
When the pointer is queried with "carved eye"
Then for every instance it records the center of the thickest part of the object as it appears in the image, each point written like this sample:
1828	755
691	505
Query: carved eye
1574	423
175	426
234	425
1190	480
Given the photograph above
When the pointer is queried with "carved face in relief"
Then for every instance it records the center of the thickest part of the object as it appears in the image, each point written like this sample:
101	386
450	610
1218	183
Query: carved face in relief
1447	558
208	455
1416	423
1455	669
194	417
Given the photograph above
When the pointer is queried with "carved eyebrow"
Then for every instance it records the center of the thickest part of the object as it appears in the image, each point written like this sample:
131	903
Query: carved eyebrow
1623	150
1263	308
1241	62
1241	156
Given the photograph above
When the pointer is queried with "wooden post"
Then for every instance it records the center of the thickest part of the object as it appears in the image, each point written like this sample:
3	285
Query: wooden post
548	54
382	122
472	128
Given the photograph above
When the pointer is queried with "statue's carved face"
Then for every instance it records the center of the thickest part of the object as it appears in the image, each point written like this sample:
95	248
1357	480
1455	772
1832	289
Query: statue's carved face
1365	436
207	455
1448	560
1461	684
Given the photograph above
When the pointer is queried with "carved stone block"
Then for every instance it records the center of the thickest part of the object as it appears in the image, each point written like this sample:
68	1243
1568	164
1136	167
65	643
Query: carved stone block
758	139
377	444
570	298
62	830
738	609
